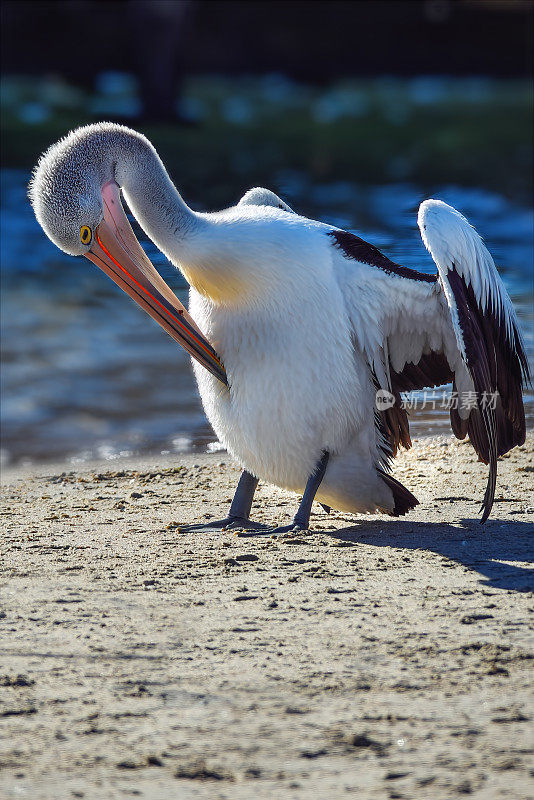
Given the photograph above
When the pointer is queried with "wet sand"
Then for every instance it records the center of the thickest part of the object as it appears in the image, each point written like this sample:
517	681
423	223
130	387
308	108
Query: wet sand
372	657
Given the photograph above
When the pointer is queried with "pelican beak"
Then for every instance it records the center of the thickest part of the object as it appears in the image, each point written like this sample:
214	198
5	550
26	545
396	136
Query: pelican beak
117	252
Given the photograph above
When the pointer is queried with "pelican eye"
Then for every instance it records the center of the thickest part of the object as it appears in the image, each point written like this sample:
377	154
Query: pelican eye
86	234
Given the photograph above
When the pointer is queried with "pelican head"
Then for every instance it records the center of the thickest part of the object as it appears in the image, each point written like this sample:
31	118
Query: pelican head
75	192
65	192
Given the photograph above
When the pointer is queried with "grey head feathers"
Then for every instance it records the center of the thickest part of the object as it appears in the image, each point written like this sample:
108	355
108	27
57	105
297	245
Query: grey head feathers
65	189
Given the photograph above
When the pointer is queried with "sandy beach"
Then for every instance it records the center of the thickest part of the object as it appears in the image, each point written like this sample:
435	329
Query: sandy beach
373	657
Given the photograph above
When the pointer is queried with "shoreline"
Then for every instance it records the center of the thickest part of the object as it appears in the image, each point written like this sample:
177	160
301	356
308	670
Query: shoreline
375	656
27	468
37	469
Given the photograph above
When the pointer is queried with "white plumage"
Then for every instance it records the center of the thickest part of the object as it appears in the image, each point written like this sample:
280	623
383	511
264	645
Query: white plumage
297	385
309	321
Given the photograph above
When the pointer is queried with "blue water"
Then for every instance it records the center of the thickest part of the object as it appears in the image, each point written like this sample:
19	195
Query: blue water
86	373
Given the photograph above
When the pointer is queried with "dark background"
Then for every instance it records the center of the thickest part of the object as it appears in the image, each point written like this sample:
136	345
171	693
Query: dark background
161	40
429	90
306	39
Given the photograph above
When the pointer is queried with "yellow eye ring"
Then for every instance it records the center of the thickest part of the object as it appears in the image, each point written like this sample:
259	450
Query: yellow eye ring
86	234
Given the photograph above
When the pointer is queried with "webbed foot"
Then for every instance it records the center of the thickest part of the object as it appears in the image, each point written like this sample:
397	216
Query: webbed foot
227	524
301	522
238	523
294	527
238	516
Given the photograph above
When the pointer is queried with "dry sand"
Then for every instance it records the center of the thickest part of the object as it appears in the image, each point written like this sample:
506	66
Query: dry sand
375	657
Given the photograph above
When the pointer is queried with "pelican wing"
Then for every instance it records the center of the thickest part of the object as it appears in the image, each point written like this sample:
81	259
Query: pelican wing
487	334
263	197
418	331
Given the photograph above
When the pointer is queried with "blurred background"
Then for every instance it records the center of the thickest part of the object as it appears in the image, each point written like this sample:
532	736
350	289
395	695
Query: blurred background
352	111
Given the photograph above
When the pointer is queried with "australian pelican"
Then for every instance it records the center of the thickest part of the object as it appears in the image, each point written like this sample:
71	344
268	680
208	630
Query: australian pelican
296	325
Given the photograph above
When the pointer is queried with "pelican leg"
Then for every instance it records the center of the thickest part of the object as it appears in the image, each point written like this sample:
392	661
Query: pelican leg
301	521
238	516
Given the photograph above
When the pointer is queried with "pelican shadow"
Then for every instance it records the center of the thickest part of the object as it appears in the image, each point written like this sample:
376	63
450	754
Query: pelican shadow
485	549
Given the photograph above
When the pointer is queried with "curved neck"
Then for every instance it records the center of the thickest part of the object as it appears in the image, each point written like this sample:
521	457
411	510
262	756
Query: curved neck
213	262
151	195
